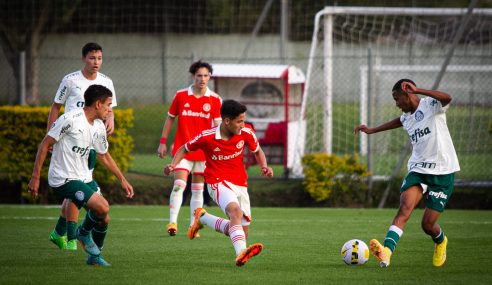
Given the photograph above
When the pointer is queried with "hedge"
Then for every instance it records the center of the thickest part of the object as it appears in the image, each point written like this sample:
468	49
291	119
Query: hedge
22	128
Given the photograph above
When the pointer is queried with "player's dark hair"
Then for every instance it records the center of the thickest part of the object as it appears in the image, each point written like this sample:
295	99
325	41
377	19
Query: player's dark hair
88	47
199	64
231	109
96	93
397	86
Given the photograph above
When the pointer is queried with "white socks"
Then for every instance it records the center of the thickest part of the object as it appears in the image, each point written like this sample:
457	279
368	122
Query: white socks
176	199
196	200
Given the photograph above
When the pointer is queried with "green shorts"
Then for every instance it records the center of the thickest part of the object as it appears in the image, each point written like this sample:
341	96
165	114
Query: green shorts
77	191
439	188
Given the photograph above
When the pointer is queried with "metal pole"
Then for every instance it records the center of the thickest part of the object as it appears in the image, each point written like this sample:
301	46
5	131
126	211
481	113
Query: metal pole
328	74
284	29
369	123
22	78
257	27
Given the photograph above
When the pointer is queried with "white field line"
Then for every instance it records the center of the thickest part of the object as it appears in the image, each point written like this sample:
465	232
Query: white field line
165	219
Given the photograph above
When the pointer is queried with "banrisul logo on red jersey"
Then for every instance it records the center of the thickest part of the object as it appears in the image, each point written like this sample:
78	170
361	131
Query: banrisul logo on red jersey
189	113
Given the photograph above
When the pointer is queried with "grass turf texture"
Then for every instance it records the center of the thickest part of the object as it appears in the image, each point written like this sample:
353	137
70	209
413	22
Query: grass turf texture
302	246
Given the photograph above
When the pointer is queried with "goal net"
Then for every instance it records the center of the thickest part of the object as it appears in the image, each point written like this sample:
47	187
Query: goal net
356	56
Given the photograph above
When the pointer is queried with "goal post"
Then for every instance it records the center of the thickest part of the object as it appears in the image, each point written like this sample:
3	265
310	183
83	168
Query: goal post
357	50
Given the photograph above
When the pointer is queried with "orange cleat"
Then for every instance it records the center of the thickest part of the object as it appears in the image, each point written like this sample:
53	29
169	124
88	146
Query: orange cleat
249	252
197	225
172	229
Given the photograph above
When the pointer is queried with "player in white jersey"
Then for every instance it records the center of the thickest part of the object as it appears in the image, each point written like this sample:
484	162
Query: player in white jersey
71	93
72	136
431	167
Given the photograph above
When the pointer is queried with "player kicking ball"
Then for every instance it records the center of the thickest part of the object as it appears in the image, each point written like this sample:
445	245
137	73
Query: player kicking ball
226	177
431	167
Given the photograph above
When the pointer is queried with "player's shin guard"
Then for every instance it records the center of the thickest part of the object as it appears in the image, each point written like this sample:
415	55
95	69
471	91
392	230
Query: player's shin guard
392	237
91	220
98	234
71	230
61	226
196	199
238	238
176	199
218	224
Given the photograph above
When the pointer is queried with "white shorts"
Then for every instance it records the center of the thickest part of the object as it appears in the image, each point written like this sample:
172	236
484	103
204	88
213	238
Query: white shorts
225	192
193	167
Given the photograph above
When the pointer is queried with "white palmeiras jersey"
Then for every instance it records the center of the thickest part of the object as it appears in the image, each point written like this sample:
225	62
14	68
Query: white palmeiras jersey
74	138
433	150
73	86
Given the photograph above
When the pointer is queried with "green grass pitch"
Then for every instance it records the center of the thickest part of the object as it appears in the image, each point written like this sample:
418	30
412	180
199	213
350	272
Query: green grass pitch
302	246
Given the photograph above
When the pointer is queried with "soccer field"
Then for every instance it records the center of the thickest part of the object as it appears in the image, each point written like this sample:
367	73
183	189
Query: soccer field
302	246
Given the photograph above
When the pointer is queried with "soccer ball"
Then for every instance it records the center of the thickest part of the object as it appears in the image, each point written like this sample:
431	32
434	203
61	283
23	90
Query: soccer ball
355	252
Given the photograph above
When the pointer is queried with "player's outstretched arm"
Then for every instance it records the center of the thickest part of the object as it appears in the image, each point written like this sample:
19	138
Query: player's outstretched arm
109	163
261	160
442	97
162	149
393	124
45	145
180	154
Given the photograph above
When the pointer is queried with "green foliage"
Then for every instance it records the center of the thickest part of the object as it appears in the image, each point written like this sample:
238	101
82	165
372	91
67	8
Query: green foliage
23	129
120	146
331	175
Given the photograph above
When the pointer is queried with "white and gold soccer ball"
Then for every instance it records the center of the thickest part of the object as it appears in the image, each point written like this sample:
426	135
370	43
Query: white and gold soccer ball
355	252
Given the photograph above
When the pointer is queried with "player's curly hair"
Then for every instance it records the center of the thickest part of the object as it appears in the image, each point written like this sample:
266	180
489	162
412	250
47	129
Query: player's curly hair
199	64
397	86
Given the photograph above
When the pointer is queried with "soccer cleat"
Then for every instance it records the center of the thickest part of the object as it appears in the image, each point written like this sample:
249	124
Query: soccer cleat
197	225
97	260
71	245
440	253
383	254
249	252
88	243
172	229
60	241
197	235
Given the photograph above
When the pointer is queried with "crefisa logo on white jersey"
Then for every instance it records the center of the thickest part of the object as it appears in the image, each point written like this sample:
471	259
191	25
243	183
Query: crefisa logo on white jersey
206	107
240	144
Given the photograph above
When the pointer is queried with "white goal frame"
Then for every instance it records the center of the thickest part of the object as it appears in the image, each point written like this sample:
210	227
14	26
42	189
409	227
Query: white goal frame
326	17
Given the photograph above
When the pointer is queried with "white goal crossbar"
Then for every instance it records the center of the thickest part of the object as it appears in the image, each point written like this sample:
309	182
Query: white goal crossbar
364	75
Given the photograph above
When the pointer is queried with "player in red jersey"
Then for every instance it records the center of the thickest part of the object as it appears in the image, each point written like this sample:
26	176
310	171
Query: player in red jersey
198	109
226	177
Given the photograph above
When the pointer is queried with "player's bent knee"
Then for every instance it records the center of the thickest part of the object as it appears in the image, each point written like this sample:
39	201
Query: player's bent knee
99	205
